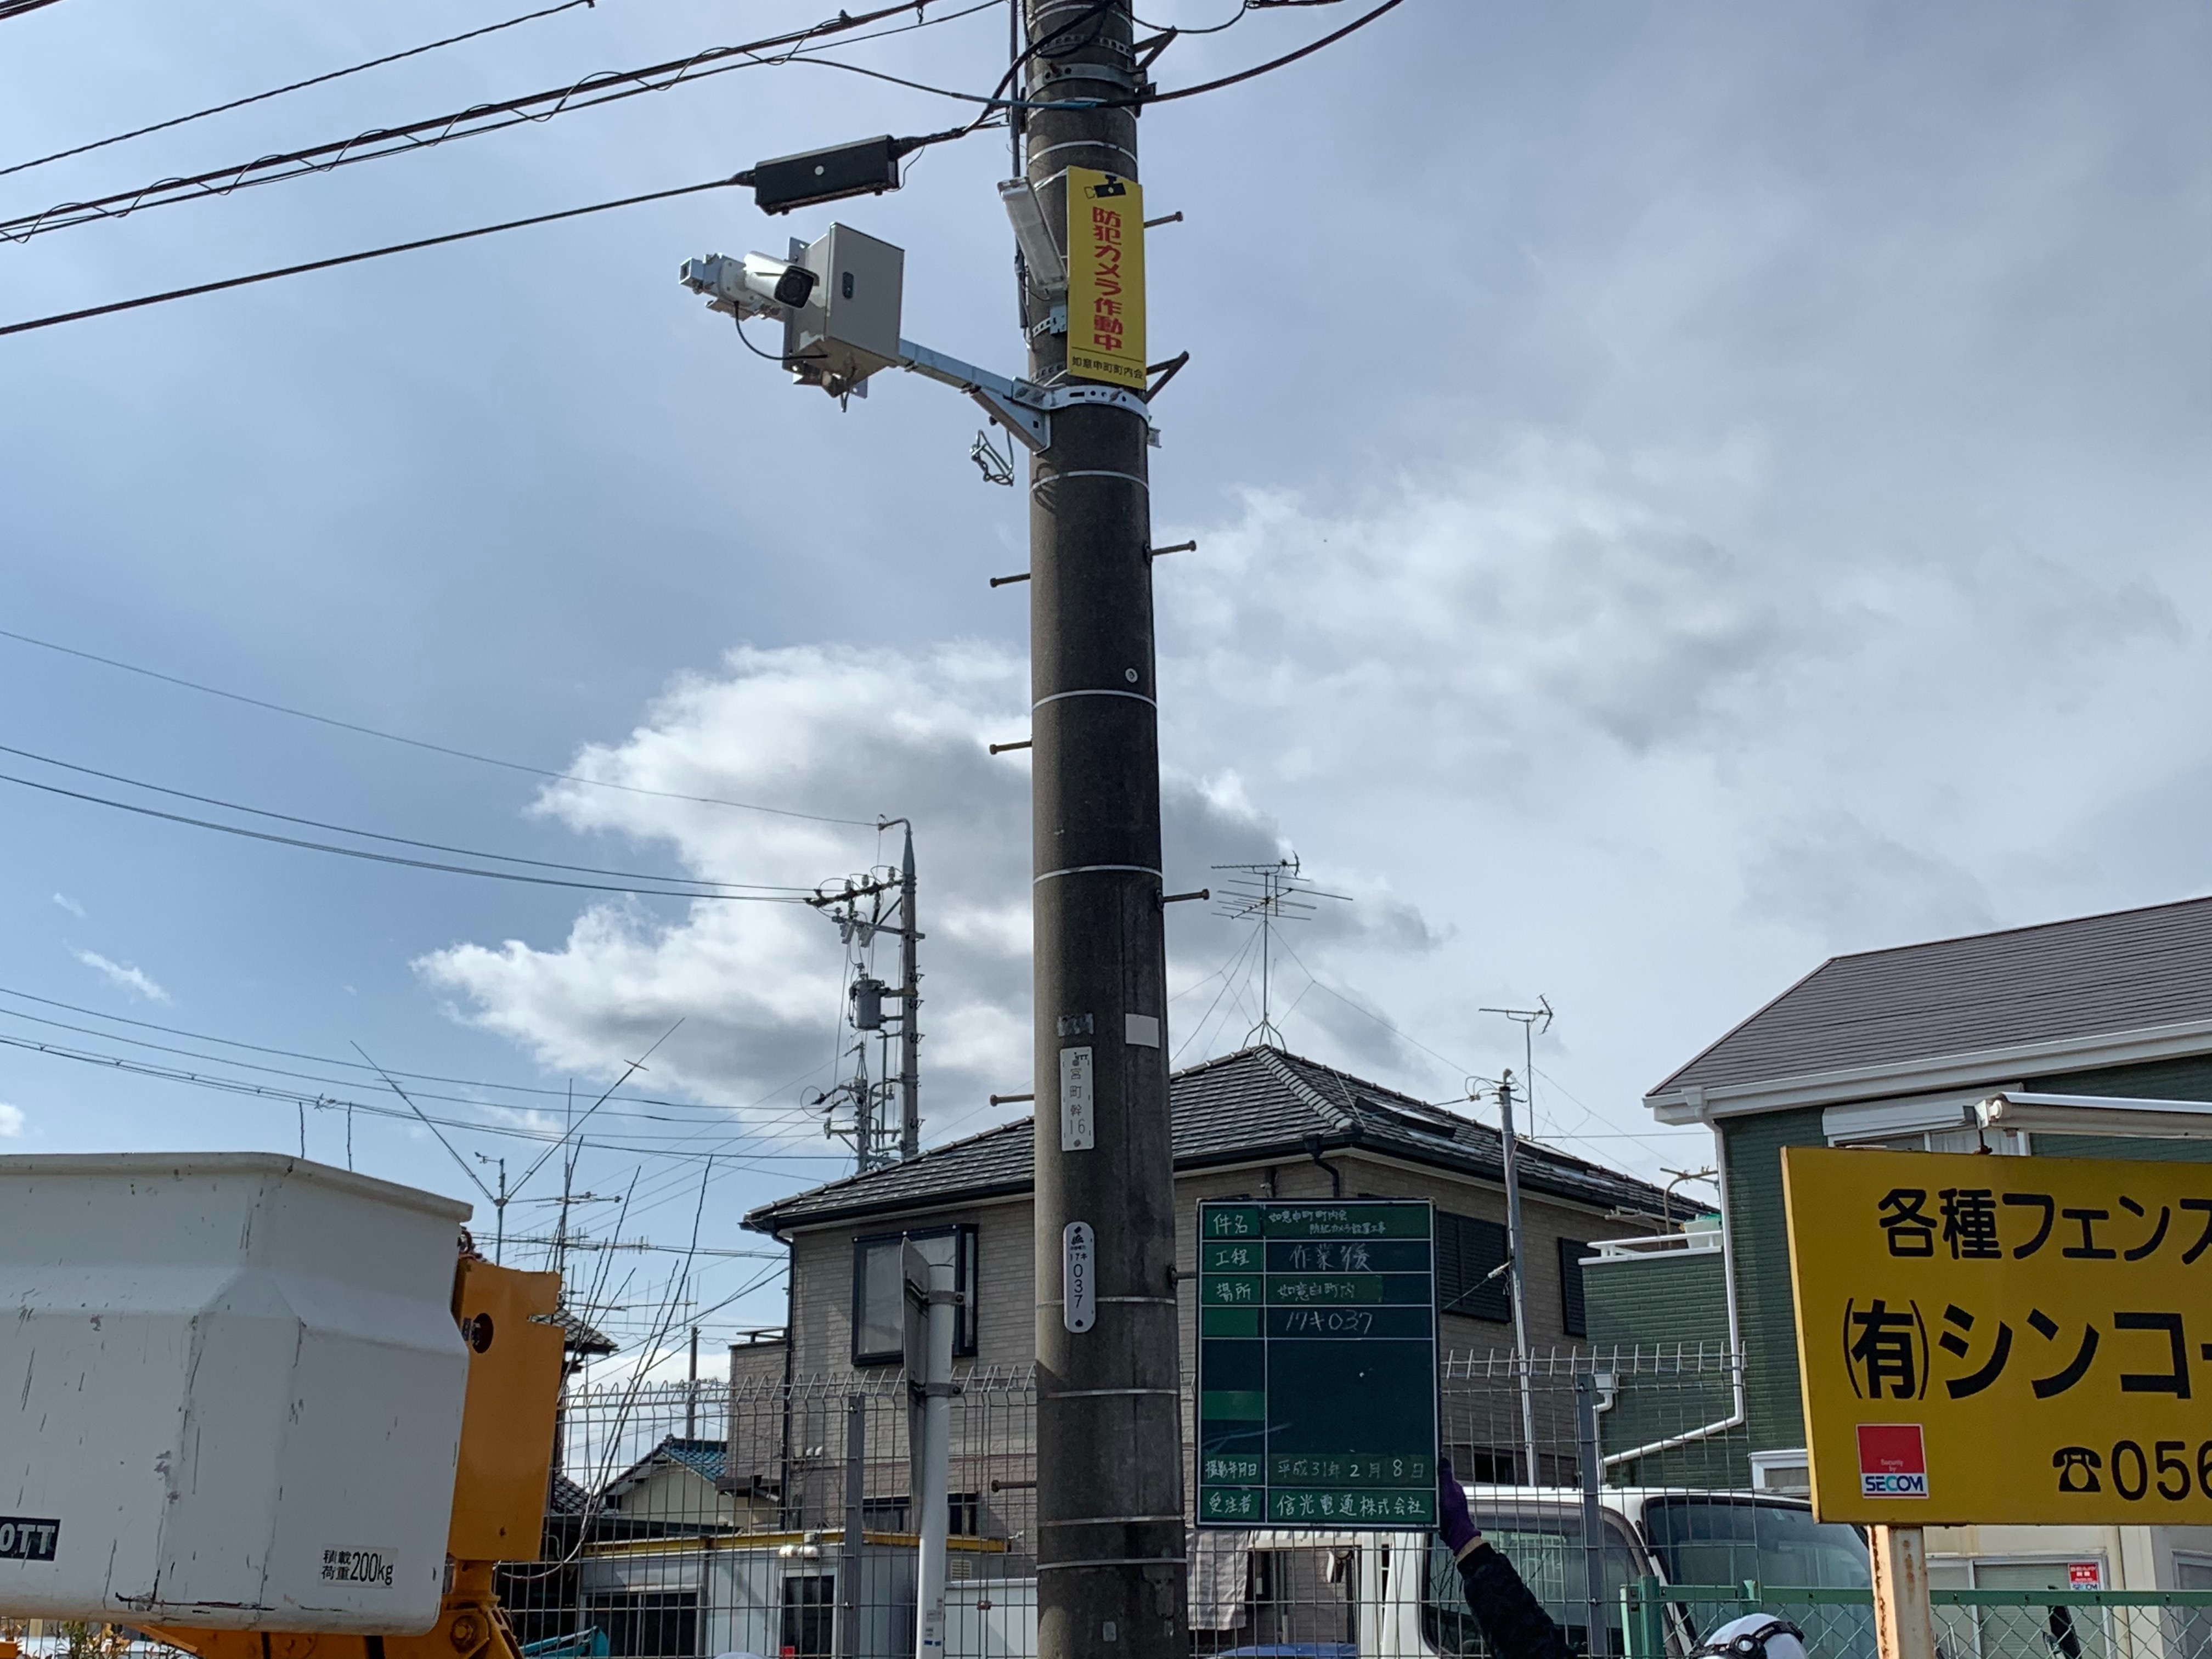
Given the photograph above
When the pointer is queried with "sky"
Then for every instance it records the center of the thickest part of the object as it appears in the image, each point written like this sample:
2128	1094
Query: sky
1682	491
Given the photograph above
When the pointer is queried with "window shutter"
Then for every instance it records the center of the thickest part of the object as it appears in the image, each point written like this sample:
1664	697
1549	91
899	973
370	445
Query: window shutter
1573	1319
1469	1250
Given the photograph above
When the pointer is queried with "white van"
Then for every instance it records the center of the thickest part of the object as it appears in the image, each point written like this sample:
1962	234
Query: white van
1306	1594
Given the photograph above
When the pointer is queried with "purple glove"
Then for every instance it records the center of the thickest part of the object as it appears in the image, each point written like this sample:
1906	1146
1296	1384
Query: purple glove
1454	1524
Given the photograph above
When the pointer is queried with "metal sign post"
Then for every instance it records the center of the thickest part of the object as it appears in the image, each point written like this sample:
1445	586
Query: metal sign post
1317	1365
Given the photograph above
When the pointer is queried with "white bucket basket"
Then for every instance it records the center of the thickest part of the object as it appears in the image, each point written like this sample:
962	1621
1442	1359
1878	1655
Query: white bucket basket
230	1392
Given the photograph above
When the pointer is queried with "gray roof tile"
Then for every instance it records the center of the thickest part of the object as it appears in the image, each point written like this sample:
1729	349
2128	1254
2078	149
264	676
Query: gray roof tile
1228	1110
2128	970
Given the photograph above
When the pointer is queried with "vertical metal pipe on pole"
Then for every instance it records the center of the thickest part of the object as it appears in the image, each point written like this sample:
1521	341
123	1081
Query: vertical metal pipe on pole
1904	1628
1515	1279
692	1391
1110	1570
931	1493
856	1497
910	1008
1592	1475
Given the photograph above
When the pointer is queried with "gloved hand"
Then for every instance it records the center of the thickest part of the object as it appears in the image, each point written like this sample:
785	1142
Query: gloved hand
1454	1524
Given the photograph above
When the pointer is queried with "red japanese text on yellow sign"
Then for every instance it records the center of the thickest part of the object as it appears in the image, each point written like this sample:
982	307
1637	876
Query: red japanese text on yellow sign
1987	1340
1106	278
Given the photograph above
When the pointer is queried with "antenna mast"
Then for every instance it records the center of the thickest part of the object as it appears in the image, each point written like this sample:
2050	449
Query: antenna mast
1273	893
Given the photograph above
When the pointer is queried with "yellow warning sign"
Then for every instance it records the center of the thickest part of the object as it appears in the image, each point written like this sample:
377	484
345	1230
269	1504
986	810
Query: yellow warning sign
1106	278
1988	1340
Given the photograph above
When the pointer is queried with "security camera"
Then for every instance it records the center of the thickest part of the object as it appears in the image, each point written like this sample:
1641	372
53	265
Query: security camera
755	286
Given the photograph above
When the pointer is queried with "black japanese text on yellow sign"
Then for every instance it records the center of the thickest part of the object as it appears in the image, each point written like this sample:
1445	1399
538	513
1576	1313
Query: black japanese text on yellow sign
1105	278
1985	1339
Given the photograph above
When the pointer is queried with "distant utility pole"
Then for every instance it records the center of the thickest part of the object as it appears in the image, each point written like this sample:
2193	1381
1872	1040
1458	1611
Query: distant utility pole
1110	1541
858	905
1509	1158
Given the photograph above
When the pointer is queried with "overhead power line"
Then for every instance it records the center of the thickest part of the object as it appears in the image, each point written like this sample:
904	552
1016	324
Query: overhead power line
400	840
17	8
295	86
420	742
669	892
802	1115
995	101
355	259
604	87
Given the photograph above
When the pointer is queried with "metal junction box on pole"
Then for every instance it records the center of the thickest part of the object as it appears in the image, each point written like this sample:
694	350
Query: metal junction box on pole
848	329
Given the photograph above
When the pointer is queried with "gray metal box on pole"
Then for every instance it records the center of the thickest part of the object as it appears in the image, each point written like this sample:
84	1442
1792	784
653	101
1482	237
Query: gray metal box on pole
848	328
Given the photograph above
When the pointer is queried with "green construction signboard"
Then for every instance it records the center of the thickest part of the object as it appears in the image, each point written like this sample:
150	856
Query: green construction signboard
1317	1365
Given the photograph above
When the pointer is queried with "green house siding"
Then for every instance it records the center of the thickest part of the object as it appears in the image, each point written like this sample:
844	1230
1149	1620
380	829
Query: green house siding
1650	1304
1765	1303
1645	1300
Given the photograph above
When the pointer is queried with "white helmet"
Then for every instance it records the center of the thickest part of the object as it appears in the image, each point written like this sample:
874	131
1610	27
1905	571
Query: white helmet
1756	1636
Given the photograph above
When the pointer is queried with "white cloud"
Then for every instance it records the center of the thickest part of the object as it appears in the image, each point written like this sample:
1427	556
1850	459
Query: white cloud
11	1121
759	985
135	981
69	905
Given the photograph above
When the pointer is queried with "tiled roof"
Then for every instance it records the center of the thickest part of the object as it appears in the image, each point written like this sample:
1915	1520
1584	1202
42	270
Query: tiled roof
1254	1103
2092	976
705	1458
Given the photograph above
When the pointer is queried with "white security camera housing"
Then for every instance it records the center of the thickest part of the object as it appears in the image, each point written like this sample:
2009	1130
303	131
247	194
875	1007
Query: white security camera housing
755	286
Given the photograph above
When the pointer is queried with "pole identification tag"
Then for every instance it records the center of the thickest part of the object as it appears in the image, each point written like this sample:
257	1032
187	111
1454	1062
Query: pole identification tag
1078	1130
1078	1263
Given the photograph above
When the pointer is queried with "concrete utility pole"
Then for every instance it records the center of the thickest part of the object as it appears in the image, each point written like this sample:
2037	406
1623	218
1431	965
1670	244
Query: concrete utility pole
1110	1570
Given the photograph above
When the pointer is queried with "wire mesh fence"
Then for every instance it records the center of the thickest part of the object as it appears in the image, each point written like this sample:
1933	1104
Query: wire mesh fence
688	1521
698	1520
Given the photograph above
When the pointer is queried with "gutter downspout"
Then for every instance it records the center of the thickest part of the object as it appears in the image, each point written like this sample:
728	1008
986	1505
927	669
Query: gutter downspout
1335	1180
1739	1416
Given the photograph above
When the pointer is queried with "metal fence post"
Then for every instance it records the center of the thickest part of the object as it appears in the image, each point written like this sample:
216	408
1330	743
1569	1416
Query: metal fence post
856	1494
1593	1472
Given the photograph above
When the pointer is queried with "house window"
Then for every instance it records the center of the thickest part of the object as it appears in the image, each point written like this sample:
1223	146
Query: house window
879	1292
809	1615
1572	1319
963	1516
1469	1251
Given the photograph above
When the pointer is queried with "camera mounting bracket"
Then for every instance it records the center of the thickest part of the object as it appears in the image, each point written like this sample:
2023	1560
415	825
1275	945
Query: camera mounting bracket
1022	407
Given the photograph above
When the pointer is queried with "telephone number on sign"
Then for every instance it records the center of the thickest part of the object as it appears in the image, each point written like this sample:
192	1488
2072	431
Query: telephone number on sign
2166	1470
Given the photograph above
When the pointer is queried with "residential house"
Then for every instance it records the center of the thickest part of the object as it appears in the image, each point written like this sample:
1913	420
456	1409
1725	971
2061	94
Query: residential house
1894	1048
1259	1122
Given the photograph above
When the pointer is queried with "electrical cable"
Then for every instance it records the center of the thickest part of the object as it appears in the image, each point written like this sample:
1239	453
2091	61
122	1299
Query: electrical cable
329	1059
292	1096
1273	63
419	742
297	86
1135	100
354	258
787	1118
400	840
602	87
17	8
391	858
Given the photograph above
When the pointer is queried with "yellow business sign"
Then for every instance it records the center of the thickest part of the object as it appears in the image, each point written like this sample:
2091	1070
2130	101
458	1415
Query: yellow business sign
1106	277
1988	1340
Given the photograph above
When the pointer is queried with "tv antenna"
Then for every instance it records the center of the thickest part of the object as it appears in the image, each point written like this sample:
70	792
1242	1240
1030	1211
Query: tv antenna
1273	893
